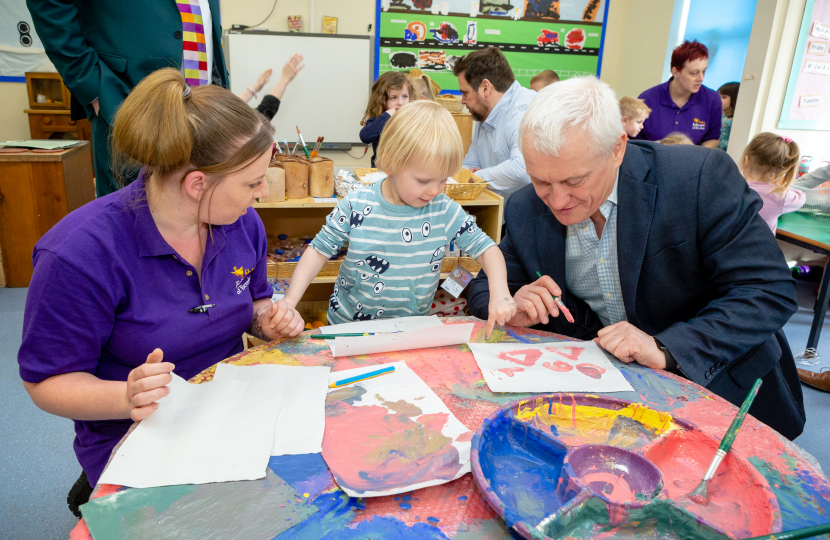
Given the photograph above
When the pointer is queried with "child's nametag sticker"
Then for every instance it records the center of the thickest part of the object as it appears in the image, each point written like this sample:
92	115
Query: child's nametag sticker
459	278
325	199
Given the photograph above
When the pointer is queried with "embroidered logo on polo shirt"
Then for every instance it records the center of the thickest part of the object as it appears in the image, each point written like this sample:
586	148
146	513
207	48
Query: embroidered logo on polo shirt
698	124
244	278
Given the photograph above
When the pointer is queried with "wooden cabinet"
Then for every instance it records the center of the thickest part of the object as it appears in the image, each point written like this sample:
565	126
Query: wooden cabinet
56	124
37	191
304	217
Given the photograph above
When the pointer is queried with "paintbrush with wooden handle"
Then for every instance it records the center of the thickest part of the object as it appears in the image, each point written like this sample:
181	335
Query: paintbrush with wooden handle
796	534
700	495
317	146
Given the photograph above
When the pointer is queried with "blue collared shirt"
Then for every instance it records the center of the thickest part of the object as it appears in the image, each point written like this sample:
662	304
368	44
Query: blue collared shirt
699	118
591	266
495	144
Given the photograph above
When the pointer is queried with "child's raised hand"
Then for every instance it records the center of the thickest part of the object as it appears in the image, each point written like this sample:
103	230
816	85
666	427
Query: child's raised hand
391	111
292	67
263	79
280	320
502	309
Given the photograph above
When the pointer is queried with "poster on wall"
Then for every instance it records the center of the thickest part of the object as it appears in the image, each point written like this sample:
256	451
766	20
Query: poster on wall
20	48
807	101
534	35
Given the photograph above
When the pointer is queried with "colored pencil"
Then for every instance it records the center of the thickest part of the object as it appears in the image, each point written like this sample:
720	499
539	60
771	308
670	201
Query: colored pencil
559	303
701	493
796	534
358	334
303	141
363	377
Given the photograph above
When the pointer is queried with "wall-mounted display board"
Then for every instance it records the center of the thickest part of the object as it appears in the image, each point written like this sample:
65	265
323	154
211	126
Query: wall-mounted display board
431	35
807	101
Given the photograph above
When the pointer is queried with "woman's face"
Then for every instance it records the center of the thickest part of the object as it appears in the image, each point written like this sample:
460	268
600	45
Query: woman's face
231	199
690	78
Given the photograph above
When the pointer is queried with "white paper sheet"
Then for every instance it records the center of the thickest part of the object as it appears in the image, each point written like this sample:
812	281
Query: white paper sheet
449	334
302	417
402	394
401	324
575	366
219	431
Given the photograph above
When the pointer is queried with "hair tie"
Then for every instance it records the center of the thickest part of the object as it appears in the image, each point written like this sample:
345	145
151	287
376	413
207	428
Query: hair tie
787	139
186	93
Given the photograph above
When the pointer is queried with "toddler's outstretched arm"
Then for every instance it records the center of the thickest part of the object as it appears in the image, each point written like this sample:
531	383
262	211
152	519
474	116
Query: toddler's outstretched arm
502	307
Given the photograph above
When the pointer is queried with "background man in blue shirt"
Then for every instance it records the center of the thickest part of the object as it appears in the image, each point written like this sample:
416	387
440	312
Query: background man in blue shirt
497	102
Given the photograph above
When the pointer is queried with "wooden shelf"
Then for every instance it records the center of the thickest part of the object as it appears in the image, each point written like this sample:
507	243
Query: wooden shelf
486	198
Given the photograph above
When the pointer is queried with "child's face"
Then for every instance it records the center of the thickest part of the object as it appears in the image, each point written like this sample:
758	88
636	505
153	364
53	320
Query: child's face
633	125
397	99
726	102
414	187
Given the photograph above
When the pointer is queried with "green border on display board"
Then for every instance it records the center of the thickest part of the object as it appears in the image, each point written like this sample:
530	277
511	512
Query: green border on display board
516	38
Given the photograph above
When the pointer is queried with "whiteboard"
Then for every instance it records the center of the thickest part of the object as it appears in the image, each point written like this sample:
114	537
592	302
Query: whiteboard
327	98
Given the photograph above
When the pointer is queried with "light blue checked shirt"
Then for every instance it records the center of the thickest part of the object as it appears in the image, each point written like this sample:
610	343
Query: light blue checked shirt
591	268
495	144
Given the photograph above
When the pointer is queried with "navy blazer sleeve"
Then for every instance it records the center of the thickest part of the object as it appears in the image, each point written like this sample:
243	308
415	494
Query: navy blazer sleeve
754	293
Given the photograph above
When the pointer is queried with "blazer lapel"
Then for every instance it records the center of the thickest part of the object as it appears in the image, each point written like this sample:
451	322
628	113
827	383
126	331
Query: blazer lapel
635	211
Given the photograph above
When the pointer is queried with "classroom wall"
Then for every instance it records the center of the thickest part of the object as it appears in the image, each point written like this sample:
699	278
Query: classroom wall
636	37
14	123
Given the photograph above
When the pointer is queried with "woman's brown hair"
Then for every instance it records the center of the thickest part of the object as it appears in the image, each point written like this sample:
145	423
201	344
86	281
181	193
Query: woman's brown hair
391	80
166	126
771	159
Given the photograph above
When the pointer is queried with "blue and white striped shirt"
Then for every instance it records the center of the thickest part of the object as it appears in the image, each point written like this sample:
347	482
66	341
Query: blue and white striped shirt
395	253
591	266
495	144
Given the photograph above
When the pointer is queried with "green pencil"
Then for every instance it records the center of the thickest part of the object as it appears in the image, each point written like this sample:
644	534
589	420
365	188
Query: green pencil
701	493
797	534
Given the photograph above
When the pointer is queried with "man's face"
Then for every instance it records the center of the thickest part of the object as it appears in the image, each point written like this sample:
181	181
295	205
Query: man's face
475	100
575	184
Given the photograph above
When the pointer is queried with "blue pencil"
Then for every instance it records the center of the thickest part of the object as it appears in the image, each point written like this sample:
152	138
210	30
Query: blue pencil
363	377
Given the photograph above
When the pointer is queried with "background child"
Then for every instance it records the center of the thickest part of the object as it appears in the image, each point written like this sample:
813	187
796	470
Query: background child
676	138
541	80
729	98
270	103
768	164
389	93
634	112
398	228
421	88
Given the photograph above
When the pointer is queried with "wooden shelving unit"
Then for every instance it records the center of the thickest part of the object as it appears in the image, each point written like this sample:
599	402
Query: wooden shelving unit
304	217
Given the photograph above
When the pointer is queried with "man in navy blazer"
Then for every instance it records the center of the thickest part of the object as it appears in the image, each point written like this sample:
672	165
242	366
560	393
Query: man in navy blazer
657	251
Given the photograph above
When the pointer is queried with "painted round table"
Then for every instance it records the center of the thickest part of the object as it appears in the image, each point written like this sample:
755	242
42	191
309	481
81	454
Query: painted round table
314	507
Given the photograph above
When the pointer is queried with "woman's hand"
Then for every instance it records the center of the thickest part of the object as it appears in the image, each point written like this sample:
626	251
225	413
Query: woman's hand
263	79
292	67
146	385
502	309
280	320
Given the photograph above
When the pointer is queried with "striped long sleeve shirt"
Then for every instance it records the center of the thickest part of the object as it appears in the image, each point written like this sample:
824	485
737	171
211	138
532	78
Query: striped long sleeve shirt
395	253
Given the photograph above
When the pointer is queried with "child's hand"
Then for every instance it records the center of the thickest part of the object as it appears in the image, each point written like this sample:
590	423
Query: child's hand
292	67
280	320
502	309
391	111
263	79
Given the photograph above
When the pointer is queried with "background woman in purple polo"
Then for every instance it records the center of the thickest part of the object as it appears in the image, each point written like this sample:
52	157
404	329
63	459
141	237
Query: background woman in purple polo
171	267
682	103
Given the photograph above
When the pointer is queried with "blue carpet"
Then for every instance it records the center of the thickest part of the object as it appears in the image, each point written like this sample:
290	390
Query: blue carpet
38	466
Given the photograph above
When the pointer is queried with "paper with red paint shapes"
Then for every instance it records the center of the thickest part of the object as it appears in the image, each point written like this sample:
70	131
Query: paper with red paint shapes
391	434
573	366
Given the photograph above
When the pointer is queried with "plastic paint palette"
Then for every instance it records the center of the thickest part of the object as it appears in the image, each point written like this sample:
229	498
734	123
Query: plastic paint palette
583	466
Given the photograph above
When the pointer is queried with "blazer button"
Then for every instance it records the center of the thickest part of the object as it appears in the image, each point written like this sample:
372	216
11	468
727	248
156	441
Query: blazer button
177	34
707	375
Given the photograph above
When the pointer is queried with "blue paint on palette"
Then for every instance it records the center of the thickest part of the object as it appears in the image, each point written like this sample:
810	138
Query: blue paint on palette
524	466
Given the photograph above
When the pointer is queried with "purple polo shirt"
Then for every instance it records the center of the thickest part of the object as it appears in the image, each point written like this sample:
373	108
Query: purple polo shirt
107	289
699	118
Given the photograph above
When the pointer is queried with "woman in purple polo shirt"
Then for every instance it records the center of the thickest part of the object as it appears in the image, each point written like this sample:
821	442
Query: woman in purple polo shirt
172	266
682	103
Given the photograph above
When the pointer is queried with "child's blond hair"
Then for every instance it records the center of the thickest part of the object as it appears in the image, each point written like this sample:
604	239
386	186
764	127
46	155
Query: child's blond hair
422	88
545	77
676	138
632	107
391	80
420	135
771	159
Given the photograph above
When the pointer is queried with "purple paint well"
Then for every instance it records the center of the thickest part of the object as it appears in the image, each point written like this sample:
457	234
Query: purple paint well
614	474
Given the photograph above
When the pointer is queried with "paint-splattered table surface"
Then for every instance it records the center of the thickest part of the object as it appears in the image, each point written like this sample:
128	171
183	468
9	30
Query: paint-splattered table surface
301	500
